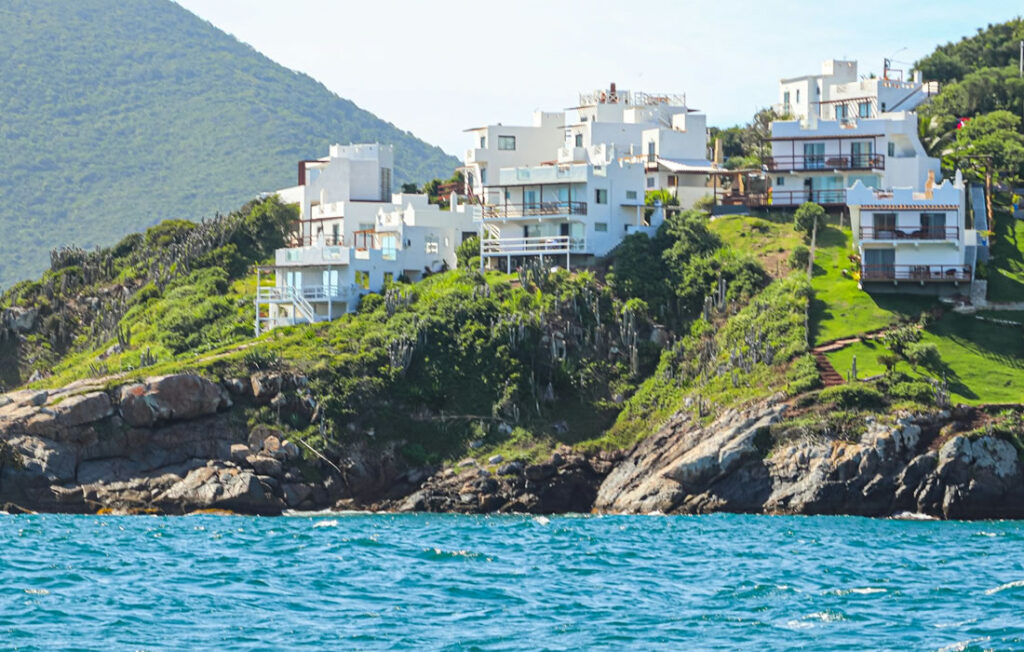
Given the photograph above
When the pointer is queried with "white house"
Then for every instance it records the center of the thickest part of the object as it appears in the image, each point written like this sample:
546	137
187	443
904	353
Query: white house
574	183
351	239
843	130
911	240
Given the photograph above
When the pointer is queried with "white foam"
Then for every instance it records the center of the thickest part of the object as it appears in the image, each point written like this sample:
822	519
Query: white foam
328	523
1017	584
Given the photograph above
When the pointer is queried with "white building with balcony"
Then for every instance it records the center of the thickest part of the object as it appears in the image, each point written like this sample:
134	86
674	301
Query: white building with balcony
844	130
913	241
349	241
574	183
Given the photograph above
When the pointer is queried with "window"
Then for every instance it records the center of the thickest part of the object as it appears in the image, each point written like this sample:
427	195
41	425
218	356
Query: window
601	227
330	281
892	149
483	175
506	143
864	109
885	226
431	244
291	255
483	142
385	184
389	277
798	96
579	140
860	154
780	181
363	279
389	246
933	226
673	180
600	196
814	155
785	101
630	194
651	181
841	113
883	107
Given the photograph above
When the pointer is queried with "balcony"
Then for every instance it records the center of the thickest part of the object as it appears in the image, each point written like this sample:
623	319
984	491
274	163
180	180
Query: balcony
910	232
831	197
532	246
813	162
917	273
565	173
308	292
312	255
534	209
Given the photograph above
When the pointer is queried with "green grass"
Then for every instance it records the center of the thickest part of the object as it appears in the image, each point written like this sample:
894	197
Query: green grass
983	362
1006	267
769	241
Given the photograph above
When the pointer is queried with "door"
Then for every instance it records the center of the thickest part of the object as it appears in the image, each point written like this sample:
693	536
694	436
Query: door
530	202
879	264
814	156
860	154
884	226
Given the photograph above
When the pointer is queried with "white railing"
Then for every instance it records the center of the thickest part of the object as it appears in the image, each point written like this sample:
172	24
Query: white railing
532	246
306	293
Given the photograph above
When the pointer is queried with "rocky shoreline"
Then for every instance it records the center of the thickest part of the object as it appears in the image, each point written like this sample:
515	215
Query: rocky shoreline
179	444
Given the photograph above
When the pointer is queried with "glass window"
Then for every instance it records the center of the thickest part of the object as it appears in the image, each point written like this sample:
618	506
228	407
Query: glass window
483	142
389	277
798	96
672	180
506	143
651	181
630	194
431	244
579	140
864	109
892	149
601	227
933	226
841	112
814	155
389	246
600	196
483	175
780	181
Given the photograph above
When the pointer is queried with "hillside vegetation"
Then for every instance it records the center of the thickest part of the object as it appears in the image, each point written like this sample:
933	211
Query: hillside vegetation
118	115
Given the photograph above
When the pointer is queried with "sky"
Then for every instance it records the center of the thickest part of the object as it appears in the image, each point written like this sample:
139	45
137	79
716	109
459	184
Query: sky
435	69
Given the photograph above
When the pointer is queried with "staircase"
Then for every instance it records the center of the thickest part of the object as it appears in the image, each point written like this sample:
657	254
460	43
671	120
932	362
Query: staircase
303	306
829	376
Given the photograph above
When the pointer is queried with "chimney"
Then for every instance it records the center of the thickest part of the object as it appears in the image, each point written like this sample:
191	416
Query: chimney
929	185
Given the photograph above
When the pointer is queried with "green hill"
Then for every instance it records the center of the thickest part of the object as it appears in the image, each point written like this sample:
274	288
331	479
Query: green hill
117	115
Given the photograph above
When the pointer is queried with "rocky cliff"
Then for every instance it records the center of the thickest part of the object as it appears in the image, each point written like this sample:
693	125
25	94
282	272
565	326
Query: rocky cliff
181	443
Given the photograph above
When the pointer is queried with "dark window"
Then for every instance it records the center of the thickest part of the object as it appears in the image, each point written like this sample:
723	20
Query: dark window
600	196
506	143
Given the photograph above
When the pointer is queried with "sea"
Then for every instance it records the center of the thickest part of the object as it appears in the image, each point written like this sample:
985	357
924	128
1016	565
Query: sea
414	581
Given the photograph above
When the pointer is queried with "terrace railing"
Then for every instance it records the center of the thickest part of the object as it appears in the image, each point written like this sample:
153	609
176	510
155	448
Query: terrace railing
505	211
921	273
803	162
909	232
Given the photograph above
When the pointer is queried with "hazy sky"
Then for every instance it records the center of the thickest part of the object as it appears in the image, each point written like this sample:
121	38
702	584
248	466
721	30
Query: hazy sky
436	68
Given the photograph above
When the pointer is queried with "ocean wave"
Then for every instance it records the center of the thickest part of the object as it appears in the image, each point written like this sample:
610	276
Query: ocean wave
1016	584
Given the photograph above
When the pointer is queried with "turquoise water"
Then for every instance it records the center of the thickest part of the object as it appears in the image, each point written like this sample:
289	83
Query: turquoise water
432	581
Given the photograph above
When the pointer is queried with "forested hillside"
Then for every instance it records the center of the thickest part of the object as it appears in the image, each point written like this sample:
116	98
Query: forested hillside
117	115
980	80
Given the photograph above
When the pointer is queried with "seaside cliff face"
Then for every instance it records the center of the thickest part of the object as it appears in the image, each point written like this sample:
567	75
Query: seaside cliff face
176	444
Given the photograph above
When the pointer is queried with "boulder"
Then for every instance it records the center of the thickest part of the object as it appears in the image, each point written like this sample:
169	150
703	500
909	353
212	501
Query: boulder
264	465
295	493
265	386
170	398
260	433
84	408
213	487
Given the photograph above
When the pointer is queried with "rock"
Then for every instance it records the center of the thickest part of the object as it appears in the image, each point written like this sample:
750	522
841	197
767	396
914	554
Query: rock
539	472
468	461
264	465
238	386
265	386
288	451
83	408
259	434
218	488
476	444
495	459
239	452
169	398
18	319
512	468
271	446
296	493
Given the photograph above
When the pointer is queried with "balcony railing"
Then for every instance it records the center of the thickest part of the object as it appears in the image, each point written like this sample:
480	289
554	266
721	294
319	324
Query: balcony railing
317	240
832	197
805	162
921	273
532	246
308	292
505	211
910	233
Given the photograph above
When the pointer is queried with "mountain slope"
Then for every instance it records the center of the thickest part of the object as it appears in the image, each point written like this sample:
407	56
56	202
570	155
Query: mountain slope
115	116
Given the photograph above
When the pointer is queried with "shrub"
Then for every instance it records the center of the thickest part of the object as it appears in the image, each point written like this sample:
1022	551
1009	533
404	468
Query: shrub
704	204
888	360
799	257
469	249
852	396
803	375
806	216
918	391
924	354
898	339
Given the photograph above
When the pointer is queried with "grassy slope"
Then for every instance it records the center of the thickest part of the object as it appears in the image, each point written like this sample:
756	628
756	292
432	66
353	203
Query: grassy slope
985	362
1006	267
108	129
